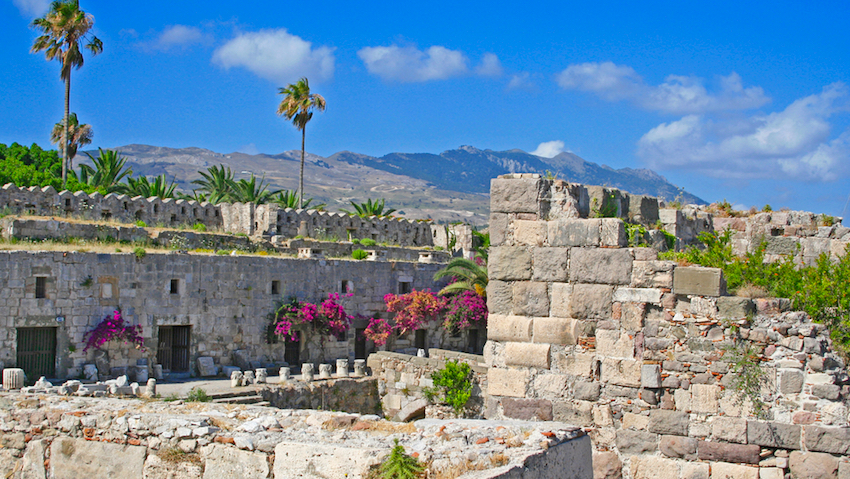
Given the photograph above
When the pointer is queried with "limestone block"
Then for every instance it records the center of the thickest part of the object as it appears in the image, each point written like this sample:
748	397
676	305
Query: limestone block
733	307
636	442
613	343
527	409
510	263
156	468
723	470
529	233
635	421
508	328
578	413
621	372
729	429
590	301
554	330
516	195
791	381
632	316
531	298
527	355
498	226
771	473
637	295
721	451
613	233
607	465
704	398
600	265
222	462
207	367
586	390
578	364
653	467
550	264
666	421
699	281
813	465
559	304
652	274
695	470
75	458
32	466
650	376
506	382
678	447
835	440
575	232
499	297
774	434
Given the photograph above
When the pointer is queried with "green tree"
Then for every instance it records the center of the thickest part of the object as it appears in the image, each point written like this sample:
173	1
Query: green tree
217	184
142	186
77	134
369	208
109	169
399	465
289	199
297	106
249	191
468	274
65	32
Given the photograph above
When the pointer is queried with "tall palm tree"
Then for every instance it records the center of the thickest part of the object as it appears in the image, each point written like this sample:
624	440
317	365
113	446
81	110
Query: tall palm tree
217	182
78	135
142	186
64	28
297	106
249	191
109	169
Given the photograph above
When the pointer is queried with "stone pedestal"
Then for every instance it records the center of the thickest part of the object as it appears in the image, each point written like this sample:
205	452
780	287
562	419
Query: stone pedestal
150	389
359	367
157	372
342	368
284	374
325	371
261	374
235	379
307	372
248	378
142	374
90	372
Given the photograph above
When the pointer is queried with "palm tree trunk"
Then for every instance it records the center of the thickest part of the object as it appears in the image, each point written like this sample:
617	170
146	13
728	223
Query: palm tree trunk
65	134
301	180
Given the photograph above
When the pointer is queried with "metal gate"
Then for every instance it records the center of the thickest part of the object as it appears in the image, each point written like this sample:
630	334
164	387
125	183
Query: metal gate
36	353
292	351
173	348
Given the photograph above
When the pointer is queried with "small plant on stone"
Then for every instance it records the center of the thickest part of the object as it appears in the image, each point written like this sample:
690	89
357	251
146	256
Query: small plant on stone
359	254
398	465
355	240
139	252
198	395
745	362
141	224
86	283
453	384
199	227
368	242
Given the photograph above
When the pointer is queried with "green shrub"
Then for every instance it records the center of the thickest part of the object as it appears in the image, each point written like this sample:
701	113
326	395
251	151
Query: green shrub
198	395
199	227
368	242
141	224
139	252
359	254
454	384
355	240
398	465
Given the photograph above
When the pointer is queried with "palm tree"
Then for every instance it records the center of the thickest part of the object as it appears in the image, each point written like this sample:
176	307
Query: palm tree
369	208
289	199
217	182
109	169
64	28
296	106
142	186
78	135
468	274
249	191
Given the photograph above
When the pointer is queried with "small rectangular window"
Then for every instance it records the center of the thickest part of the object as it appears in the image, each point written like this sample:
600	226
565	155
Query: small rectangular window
175	286
404	287
342	336
40	287
275	287
346	286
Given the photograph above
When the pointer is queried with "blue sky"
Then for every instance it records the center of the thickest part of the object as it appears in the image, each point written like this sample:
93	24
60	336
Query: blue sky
744	101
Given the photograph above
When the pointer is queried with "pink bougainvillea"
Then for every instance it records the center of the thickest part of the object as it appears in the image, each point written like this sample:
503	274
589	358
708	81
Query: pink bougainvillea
415	309
328	318
465	310
111	328
379	331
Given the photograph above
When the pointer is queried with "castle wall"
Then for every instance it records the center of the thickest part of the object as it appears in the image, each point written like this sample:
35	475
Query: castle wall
639	352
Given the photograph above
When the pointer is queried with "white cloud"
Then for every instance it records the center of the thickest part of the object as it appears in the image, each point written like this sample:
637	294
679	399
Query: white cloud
678	94
179	36
249	149
408	64
276	55
490	66
549	149
32	8
520	81
792	143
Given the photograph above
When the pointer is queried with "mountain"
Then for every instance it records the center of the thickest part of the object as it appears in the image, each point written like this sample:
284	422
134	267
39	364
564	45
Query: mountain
451	186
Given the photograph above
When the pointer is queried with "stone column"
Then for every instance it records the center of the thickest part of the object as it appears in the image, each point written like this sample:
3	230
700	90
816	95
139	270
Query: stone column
359	367
342	368
307	372
284	374
262	375
236	379
325	371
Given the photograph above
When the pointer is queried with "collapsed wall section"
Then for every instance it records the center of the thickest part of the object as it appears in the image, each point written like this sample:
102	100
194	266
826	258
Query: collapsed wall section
643	353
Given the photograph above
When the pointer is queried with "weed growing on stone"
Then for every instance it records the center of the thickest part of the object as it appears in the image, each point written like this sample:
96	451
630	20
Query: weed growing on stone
175	455
453	384
398	465
745	363
199	227
139	252
198	395
359	254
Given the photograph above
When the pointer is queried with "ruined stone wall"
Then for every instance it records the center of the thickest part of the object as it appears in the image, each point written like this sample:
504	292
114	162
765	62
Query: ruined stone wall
585	330
225	300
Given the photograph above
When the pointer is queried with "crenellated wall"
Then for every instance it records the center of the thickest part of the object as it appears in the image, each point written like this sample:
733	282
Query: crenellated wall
640	352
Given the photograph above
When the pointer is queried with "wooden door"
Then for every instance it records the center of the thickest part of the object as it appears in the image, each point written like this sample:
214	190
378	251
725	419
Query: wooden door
173	348
36	353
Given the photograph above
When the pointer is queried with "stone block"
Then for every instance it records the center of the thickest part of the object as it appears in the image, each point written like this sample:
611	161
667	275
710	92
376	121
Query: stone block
791	381
308	459
636	442
499	297
773	434
635	421
559	304
632	316
527	355
550	264
590	301
157	468
575	232
508	328
722	470
207	367
665	421
621	372
637	295
554	330
516	195
834	440
652	274
734	307
607	465
506	382
613	233
613	343
586	391
531	298
771	473
75	458
510	263
650	376
527	409
578	413
704	398
721	451
695	470
830	392
699	281
678	447
729	429
813	465
497	227
653	467
529	233
600	266
32	466
577	364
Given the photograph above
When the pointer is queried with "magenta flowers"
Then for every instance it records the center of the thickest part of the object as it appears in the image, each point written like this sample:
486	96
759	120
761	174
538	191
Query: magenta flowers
111	328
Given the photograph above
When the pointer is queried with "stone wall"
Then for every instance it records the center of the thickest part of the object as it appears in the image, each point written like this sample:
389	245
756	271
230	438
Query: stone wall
350	395
224	299
585	330
70	437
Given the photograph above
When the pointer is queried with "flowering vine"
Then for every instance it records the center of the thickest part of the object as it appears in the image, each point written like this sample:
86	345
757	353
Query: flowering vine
113	327
327	318
465	310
